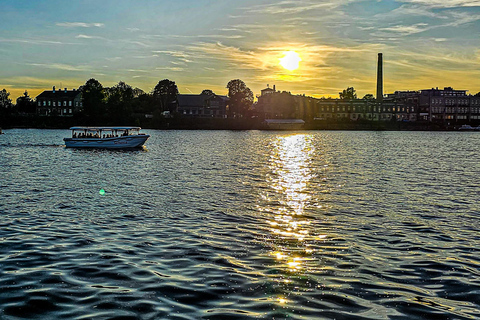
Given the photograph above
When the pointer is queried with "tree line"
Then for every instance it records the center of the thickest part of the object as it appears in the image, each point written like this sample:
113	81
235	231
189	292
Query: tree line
122	103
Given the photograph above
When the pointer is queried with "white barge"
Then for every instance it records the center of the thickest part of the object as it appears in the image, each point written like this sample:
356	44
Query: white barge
106	137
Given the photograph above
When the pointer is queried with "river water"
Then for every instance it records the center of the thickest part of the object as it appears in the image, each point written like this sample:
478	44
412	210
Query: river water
241	225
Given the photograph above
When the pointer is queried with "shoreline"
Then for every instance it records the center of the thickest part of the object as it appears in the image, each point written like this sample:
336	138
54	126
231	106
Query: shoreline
38	122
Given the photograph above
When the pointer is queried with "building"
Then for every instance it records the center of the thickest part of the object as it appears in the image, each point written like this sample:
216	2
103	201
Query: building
202	105
273	104
59	102
449	105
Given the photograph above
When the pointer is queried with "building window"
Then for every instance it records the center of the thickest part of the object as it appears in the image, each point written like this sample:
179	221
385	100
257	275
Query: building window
44	103
64	111
70	103
64	103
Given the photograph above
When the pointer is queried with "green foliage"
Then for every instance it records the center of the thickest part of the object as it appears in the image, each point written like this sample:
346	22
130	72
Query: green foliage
93	98
368	96
477	94
208	92
5	101
119	103
25	104
348	94
165	93
241	98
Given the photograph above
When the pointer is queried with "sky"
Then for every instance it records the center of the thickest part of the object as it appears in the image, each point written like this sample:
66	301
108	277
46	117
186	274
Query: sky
203	44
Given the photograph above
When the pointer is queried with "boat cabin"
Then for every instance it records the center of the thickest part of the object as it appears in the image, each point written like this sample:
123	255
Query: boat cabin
103	132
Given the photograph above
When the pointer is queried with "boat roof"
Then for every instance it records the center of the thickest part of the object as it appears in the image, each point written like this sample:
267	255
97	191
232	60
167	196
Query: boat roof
105	128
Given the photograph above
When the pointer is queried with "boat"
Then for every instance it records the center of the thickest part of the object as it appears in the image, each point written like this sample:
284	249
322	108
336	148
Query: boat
106	137
466	127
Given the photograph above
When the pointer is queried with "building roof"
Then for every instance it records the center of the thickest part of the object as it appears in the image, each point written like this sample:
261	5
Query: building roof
59	94
191	100
197	100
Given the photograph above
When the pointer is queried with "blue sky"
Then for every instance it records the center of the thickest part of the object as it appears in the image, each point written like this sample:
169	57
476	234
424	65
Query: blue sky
203	44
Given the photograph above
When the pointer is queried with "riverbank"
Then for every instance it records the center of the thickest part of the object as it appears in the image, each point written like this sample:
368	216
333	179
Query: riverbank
42	122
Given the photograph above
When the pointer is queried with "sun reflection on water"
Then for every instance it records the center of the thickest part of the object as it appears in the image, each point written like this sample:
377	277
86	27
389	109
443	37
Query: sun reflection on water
288	199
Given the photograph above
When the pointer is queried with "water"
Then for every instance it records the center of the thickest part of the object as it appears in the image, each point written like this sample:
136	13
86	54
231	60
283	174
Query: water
241	225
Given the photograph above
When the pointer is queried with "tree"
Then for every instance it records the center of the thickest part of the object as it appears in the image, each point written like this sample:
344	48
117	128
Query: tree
207	92
477	95
5	101
119	102
348	94
241	97
144	103
93	98
368	96
25	104
165	92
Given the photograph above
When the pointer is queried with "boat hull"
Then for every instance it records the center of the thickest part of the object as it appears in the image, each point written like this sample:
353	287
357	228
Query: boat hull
126	142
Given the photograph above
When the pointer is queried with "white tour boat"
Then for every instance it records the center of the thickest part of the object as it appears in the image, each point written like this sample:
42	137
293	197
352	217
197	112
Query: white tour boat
106	137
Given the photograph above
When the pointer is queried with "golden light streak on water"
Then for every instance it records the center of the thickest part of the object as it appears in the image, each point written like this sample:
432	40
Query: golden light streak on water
290	167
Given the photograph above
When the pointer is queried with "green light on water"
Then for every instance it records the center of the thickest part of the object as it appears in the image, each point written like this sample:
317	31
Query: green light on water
102	192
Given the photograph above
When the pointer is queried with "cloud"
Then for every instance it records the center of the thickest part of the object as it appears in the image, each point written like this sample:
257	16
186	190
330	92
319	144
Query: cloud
29	82
445	3
84	36
60	66
32	41
177	69
460	18
236	56
407	30
178	54
78	24
296	7
408	10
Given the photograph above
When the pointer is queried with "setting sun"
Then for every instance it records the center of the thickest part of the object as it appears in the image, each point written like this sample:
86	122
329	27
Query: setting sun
290	61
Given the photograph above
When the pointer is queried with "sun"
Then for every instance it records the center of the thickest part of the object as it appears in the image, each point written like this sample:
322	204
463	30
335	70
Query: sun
290	60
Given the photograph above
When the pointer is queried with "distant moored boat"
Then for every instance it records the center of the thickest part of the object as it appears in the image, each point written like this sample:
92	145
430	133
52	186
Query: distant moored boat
106	137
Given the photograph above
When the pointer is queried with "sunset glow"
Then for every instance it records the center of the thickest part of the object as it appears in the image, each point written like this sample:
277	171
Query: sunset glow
305	47
291	60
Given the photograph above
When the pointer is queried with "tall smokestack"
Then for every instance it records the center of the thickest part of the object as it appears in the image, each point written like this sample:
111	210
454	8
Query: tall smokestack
380	78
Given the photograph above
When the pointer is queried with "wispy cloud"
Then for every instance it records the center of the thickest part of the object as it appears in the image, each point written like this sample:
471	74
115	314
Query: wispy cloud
178	54
33	41
79	24
241	58
461	18
445	3
29	82
60	66
84	36
177	69
295	7
113	58
409	10
407	30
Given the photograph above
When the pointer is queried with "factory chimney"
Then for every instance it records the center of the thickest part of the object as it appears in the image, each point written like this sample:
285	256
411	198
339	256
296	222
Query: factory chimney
380	78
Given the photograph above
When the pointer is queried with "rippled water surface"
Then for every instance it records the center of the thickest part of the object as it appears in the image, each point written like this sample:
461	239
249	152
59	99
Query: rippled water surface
241	225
